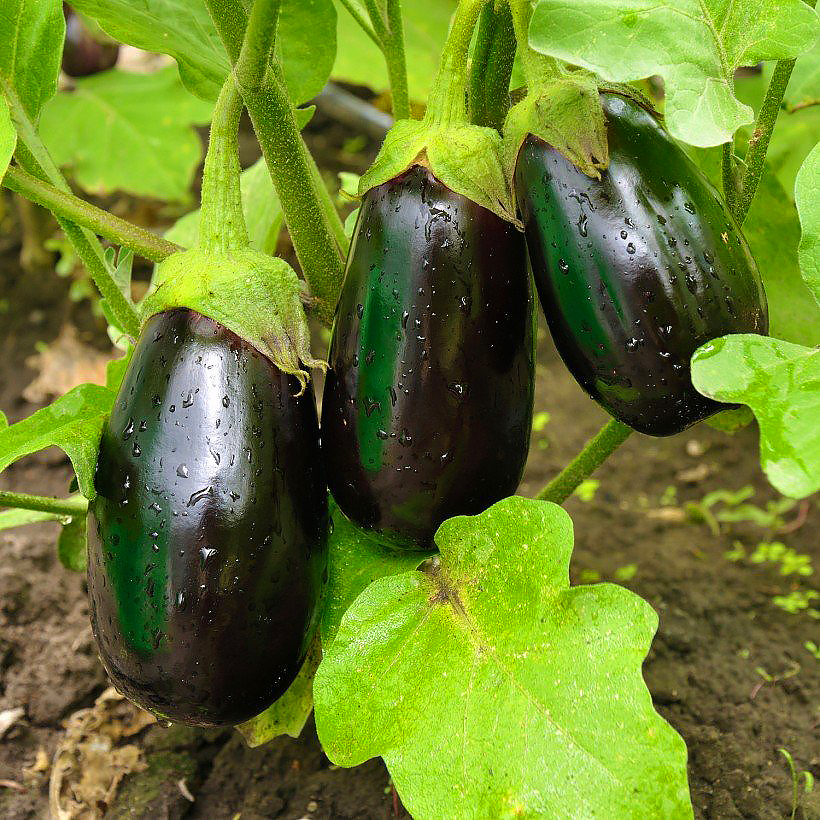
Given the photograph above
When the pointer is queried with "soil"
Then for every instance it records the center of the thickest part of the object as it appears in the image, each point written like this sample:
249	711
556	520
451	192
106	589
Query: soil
728	668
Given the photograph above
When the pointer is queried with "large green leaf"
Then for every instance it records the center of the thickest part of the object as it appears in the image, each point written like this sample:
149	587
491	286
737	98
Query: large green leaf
773	232
355	560
493	689
359	60
73	423
695	45
780	382
807	197
8	137
306	39
31	47
129	132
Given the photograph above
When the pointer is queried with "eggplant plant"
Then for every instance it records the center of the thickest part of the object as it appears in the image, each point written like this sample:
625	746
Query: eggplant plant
247	564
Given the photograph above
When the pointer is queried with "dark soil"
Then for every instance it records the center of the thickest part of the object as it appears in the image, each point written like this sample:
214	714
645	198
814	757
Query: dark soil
720	633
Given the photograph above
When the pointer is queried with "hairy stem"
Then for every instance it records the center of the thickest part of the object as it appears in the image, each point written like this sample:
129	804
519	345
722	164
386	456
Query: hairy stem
396	60
61	204
728	175
286	155
759	141
594	453
332	214
492	64
32	156
222	223
76	505
446	103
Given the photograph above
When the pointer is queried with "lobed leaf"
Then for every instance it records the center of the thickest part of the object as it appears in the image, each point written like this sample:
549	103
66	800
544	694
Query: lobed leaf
73	423
356	559
695	45
306	40
128	132
493	689
780	382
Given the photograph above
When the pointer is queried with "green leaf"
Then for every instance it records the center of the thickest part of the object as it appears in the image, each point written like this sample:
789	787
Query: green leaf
288	715
780	382
306	40
73	423
807	198
359	60
72	544
128	132
31	48
695	45
355	560
20	518
115	371
8	137
493	689
263	212
773	233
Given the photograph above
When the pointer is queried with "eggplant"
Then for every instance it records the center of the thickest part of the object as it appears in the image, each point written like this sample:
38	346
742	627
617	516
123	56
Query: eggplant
83	52
637	269
207	537
427	406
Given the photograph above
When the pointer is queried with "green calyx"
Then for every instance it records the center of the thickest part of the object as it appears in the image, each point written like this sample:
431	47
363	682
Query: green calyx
466	158
252	294
562	106
565	112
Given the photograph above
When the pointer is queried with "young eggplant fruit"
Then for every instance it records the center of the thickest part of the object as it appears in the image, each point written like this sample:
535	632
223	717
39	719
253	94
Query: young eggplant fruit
206	538
428	399
636	270
85	53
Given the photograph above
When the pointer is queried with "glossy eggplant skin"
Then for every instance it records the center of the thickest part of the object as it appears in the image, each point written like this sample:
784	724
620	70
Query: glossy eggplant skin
636	270
207	539
427	405
84	55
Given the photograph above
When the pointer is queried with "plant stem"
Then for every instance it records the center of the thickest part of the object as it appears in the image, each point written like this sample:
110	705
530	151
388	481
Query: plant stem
493	56
396	61
222	222
76	505
83	213
728	175
446	102
538	68
32	156
759	141
286	155
358	14
595	452
332	214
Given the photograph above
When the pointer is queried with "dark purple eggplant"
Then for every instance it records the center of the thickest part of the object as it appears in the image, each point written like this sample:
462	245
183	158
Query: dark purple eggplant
207	539
636	270
83	52
427	405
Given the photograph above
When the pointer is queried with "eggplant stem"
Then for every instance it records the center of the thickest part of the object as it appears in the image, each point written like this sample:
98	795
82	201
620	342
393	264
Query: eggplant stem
594	453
